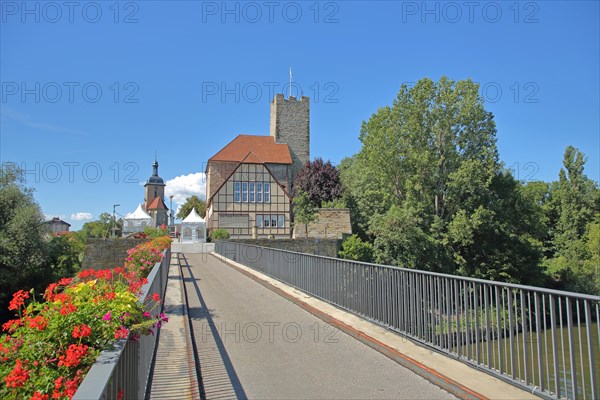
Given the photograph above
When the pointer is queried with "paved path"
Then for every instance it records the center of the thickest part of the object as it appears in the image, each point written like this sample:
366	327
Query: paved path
253	343
174	374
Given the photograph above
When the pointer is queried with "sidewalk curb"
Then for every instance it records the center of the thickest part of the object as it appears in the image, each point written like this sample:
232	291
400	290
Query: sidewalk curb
418	368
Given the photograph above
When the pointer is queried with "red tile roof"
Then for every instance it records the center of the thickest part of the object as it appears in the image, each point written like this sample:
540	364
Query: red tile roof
254	149
157	204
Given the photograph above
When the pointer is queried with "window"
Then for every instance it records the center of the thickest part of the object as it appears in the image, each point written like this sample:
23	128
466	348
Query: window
259	221
244	192
267	192
267	221
274	221
236	192
251	192
281	221
259	192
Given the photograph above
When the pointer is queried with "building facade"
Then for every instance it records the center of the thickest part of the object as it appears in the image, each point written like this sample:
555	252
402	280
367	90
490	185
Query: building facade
57	225
249	180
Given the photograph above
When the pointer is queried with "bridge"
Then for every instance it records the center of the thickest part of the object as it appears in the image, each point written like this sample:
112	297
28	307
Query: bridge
255	322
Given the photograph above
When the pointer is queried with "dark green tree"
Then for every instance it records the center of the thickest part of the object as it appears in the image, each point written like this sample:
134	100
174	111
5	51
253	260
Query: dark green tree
430	191
192	202
22	233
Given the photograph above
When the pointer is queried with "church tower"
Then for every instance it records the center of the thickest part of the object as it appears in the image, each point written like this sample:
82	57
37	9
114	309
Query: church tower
154	193
290	124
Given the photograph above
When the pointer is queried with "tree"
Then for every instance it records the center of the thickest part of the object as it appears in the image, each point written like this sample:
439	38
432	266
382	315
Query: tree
430	191
320	181
192	202
304	210
102	227
22	246
353	248
572	215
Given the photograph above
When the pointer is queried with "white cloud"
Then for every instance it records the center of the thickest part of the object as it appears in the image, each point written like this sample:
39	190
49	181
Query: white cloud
184	186
81	216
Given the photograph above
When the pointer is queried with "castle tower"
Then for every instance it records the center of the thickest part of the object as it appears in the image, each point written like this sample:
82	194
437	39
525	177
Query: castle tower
153	188
290	124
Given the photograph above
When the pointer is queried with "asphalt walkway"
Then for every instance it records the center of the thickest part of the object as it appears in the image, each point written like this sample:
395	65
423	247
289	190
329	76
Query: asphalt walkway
253	343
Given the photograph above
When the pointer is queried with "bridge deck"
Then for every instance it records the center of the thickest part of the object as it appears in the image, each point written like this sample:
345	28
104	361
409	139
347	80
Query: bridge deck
253	343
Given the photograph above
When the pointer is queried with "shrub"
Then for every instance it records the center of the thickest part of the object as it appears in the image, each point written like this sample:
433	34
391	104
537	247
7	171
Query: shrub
47	350
355	249
219	234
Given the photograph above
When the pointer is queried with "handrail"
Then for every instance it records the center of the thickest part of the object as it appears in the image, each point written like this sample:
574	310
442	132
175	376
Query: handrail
543	340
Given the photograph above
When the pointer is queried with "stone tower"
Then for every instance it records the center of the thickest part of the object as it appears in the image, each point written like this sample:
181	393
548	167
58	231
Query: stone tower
154	187
290	123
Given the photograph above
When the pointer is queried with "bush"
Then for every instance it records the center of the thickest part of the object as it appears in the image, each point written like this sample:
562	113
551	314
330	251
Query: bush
51	345
219	234
355	249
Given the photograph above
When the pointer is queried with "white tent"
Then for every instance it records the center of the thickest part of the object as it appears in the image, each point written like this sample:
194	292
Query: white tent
193	228
136	221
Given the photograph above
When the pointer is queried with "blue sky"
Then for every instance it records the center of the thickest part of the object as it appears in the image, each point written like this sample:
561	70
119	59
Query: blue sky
90	90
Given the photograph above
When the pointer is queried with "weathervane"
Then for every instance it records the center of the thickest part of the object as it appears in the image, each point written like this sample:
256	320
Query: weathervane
290	82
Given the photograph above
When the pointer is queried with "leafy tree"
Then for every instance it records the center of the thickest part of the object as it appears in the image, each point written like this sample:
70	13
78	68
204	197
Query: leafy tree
353	248
102	227
320	181
304	210
572	215
22	231
430	192
192	202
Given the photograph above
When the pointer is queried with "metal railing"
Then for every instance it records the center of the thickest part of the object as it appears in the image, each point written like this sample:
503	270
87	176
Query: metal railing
543	340
126	366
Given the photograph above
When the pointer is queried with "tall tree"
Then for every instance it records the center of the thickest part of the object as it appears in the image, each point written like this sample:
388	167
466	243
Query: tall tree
22	247
432	191
320	181
192	202
572	214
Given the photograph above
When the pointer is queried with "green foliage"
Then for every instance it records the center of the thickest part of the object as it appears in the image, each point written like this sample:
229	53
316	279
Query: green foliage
429	192
103	227
219	234
65	254
192	202
353	248
304	210
23	257
572	221
152	232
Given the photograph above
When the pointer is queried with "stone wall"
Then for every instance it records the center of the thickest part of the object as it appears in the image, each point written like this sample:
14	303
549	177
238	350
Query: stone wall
333	223
320	247
107	253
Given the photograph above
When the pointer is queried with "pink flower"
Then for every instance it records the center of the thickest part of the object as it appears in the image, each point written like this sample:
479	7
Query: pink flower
107	316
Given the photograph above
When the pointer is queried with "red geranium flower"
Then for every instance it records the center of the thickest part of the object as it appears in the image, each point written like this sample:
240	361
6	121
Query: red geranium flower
81	331
67	309
155	297
39	322
74	354
18	376
121	333
18	300
39	396
12	325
